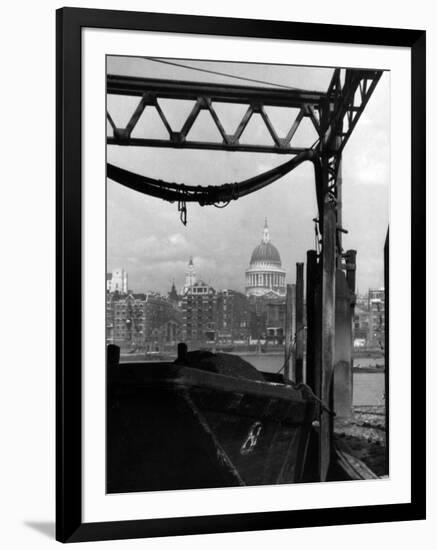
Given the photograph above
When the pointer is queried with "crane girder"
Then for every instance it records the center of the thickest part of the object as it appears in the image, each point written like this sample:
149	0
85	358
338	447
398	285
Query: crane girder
332	113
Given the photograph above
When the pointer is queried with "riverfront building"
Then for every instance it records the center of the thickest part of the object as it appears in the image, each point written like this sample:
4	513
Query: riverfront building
141	321
199	313
376	318
233	316
369	320
212	316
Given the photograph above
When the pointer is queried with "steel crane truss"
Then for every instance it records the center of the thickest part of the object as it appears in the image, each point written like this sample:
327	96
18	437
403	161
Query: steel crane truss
333	114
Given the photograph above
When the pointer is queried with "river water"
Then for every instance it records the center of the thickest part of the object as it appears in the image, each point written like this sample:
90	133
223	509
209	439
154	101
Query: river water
368	387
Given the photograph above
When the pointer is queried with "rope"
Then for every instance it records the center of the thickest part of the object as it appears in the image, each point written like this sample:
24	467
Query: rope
209	195
292	347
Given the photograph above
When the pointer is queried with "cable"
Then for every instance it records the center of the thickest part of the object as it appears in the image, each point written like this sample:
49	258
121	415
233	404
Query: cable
209	71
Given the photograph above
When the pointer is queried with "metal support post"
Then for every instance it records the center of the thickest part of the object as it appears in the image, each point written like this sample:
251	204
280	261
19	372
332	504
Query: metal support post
299	323
290	331
311	282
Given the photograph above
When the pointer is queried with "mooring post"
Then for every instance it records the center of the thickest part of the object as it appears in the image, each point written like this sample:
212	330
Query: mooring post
351	270
328	332
113	355
342	376
290	331
311	283
182	352
299	323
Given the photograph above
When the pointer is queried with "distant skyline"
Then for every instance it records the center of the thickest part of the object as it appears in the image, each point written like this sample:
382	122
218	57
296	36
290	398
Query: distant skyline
146	238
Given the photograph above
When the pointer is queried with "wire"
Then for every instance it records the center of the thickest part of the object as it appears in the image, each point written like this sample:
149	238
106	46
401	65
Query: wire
291	349
209	71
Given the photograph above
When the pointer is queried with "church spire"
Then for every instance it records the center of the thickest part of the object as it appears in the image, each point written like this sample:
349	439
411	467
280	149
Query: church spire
173	295
190	274
266	235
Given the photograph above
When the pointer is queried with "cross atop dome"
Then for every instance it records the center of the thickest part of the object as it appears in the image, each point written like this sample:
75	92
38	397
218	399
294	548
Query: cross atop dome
266	235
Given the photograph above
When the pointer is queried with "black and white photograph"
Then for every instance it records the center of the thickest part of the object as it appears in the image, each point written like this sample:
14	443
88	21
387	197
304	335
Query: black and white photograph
247	246
218	275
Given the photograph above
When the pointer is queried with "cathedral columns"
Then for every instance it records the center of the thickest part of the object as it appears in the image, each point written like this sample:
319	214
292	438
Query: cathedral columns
265	280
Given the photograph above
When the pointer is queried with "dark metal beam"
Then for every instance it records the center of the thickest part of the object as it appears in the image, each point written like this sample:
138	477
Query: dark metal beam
312	277
177	143
299	323
177	89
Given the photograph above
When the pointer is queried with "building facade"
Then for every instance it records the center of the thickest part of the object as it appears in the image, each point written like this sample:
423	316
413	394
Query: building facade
233	317
267	318
143	321
117	281
199	313
361	326
376	309
369	320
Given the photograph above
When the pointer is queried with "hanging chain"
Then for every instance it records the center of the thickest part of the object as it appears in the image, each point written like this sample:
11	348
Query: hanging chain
182	208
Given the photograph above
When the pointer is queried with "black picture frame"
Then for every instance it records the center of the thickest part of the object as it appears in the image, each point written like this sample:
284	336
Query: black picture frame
69	524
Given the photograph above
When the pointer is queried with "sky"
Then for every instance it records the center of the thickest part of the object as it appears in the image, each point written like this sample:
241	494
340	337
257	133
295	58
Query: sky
145	235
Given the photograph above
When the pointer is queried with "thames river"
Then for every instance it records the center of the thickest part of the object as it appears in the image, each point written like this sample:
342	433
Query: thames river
368	387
